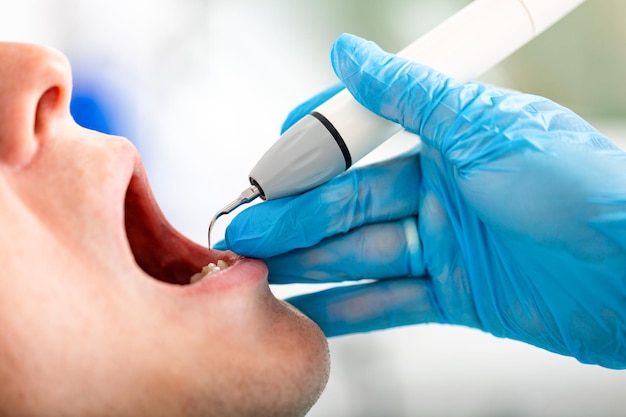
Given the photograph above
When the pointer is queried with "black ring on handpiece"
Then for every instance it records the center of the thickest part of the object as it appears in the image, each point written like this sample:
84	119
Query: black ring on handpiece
258	187
342	145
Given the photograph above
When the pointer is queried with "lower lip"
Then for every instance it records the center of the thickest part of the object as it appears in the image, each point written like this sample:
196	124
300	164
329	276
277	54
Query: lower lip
243	273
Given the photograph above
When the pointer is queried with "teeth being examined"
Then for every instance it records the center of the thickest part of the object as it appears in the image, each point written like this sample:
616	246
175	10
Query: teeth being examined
208	270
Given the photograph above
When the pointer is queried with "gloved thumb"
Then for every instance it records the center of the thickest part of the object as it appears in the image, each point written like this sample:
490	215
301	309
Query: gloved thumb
399	90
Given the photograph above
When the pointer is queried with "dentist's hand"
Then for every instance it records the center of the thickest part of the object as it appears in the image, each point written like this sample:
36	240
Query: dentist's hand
511	218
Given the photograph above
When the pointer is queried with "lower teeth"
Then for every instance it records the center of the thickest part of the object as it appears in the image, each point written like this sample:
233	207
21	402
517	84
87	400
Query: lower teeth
208	270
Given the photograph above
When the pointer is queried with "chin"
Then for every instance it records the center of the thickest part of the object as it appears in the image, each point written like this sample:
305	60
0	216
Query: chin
288	370
307	361
276	367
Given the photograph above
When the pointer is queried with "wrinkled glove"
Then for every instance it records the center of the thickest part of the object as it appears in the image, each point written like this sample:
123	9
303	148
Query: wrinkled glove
511	218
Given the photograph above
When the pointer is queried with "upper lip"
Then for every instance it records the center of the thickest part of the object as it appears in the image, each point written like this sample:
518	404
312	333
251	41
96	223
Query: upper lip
160	250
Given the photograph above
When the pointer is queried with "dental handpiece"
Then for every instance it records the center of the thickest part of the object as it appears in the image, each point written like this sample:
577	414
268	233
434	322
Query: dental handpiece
340	131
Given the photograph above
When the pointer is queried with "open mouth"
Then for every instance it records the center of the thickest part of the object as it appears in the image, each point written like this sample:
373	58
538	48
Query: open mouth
160	250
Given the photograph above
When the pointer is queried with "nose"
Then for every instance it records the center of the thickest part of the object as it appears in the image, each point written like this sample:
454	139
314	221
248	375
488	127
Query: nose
35	90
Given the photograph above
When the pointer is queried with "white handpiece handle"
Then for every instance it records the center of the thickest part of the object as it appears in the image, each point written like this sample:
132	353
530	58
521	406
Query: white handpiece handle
464	46
341	131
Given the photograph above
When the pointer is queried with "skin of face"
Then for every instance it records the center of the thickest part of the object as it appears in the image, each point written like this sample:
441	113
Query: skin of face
94	319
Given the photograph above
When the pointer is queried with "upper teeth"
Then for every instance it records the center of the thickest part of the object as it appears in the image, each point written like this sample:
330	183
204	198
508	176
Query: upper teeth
210	269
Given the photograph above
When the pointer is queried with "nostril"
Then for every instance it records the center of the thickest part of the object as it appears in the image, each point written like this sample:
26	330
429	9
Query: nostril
46	107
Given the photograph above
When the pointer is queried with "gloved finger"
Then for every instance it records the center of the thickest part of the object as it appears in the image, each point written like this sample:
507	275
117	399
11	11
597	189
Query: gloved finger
374	251
221	245
308	106
392	87
371	306
456	119
380	192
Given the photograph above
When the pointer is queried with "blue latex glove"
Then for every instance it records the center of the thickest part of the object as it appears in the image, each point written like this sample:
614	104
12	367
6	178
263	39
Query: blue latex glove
520	208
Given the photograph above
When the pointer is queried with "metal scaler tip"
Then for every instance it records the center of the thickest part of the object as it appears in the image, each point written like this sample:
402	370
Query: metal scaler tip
248	195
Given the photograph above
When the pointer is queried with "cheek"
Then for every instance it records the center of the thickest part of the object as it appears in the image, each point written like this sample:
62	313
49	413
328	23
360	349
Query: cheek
86	177
58	341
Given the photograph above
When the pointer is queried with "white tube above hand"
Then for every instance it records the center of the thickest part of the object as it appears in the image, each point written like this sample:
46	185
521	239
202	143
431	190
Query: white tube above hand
340	131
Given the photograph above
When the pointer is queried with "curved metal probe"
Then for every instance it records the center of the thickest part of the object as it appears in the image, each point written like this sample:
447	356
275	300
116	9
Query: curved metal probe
245	197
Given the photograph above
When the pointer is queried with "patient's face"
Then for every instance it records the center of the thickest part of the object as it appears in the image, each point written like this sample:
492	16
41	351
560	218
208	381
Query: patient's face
94	319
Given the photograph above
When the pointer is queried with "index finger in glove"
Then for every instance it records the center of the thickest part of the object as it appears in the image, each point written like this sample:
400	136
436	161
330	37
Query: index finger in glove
385	191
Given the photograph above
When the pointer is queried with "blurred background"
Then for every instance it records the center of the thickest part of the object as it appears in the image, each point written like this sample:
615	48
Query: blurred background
202	87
